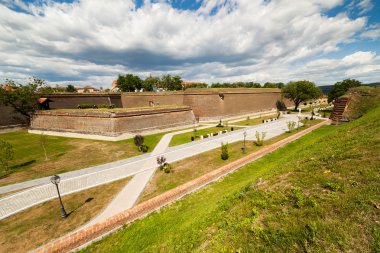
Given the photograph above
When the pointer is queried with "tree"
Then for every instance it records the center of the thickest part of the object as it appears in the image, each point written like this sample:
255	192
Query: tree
129	82
301	91
6	154
22	98
43	142
171	82
150	82
70	88
340	88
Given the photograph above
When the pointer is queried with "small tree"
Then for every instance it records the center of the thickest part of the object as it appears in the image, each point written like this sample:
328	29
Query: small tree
139	141
340	88
6	154
163	165
260	139
43	142
70	88
301	91
224	155
291	125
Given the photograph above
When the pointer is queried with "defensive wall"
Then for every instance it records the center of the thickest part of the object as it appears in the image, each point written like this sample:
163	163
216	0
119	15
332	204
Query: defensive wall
112	122
72	100
210	103
9	118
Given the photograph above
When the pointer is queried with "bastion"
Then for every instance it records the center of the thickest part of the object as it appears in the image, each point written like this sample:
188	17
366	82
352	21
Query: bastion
112	122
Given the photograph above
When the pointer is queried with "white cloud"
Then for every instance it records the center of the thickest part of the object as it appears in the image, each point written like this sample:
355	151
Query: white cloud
224	40
371	34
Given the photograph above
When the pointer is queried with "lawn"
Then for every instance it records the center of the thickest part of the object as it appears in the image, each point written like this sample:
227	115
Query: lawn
183	171
254	121
186	137
317	194
64	154
40	224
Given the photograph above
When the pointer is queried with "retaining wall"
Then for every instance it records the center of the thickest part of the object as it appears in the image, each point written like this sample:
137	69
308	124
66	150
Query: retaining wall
111	123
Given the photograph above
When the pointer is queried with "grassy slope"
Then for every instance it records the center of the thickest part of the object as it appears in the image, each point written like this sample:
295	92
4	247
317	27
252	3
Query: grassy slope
65	154
39	224
318	195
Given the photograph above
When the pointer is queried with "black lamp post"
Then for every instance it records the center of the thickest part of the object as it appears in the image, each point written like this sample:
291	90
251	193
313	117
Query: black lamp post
243	148
55	180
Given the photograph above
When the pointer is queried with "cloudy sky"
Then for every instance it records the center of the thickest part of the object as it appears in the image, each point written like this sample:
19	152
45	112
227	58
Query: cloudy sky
92	41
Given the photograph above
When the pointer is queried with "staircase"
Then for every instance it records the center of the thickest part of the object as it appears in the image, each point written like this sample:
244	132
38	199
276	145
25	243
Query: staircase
340	106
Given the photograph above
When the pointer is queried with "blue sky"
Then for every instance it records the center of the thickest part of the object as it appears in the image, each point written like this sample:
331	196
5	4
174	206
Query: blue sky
92	41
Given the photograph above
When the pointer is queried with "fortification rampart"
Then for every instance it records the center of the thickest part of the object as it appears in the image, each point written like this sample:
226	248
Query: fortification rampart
210	103
111	123
72	100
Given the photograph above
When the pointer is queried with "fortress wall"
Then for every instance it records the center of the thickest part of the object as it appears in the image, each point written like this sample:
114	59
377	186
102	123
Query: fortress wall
130	100
8	117
111	123
205	105
70	101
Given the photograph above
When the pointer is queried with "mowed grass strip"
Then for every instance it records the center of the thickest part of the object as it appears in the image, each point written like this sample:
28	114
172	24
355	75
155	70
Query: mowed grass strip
64	154
317	194
40	224
196	166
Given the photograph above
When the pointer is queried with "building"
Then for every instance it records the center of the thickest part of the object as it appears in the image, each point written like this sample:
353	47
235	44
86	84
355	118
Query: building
87	88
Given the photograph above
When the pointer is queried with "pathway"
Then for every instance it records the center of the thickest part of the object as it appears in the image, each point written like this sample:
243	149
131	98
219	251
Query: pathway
145	164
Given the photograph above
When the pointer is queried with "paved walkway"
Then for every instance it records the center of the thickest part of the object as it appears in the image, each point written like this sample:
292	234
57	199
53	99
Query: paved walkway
143	164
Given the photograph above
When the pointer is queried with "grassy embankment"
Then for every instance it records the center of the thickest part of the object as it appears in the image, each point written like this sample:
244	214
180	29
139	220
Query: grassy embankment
64	154
317	194
40	224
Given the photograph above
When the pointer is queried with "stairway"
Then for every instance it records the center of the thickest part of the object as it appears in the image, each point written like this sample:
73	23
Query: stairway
340	106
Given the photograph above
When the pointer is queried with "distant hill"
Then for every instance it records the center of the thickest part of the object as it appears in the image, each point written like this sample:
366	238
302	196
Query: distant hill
327	88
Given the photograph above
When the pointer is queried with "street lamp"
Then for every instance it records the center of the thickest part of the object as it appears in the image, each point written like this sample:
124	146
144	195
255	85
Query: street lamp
243	148
55	180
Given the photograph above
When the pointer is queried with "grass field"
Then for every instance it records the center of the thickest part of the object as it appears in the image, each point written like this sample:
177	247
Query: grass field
186	137
254	121
38	225
317	194
64	154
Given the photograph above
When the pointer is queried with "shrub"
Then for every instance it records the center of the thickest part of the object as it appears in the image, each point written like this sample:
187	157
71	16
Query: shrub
102	106
205	136
332	186
260	139
6	154
224	155
291	125
232	129
163	165
144	148
166	168
139	141
192	138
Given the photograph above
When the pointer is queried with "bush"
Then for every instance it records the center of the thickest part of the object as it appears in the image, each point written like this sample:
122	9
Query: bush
139	141
205	136
144	148
260	139
224	155
163	165
166	168
192	138
6	154
291	125
232	129
332	186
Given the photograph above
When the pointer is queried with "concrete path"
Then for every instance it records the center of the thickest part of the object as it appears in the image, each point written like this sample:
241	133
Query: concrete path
146	163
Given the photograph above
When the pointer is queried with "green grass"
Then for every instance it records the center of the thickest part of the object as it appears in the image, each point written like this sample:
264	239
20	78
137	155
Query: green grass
64	154
254	121
292	209
186	137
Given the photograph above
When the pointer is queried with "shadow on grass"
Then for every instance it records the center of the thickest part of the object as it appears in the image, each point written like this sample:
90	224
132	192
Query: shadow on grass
21	165
80	205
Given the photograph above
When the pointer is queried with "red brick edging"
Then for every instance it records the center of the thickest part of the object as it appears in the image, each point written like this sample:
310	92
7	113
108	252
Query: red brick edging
85	235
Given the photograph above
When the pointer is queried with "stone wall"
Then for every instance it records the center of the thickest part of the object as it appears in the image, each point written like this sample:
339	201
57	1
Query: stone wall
109	123
70	101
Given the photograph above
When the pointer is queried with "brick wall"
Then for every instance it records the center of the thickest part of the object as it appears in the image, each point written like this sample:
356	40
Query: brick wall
111	124
82	236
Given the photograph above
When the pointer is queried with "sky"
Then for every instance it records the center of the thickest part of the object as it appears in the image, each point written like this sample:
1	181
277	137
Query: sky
91	42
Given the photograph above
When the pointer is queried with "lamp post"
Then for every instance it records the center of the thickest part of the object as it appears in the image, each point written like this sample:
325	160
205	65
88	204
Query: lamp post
299	118
243	148
55	180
